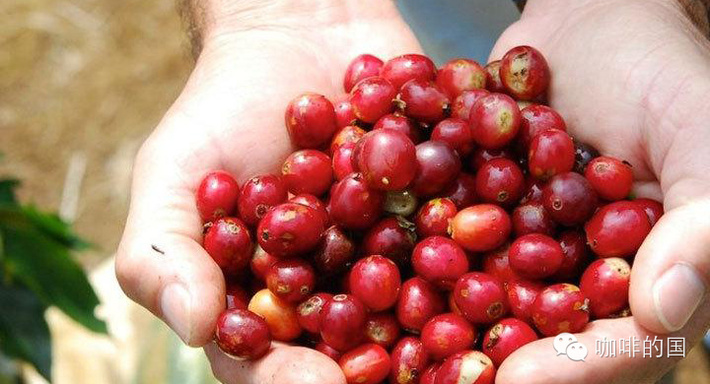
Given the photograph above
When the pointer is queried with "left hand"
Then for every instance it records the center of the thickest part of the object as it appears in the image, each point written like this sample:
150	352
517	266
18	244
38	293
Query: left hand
632	78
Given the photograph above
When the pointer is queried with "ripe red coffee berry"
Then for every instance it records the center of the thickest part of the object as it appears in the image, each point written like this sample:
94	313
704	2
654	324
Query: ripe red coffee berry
461	106
290	229
560	308
229	244
259	195
261	262
447	334
328	351
372	98
401	69
334	252
400	123
460	75
366	364
217	196
393	238
482	155
350	134
606	284
456	133
344	114
418	302
494	120
505	337
538	118
408	361
242	334
569	198
452	304
237	298
481	228
440	261
653	208
354	205
310	120
387	159
311	201
307	171
309	311
462	191
551	153
500	181
496	263
342	322
610	177
279	315
422	100
361	67
429	374
481	298
467	367
574	248
437	166
344	161
375	280
524	72
382	329
493	81
535	256
291	280
532	218
434	217
533	190
521	296
617	229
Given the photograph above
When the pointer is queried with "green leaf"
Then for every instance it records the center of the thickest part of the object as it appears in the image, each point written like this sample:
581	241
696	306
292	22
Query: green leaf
54	227
45	266
7	191
24	333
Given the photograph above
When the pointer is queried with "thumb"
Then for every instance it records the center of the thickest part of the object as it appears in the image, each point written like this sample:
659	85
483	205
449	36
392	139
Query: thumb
671	272
160	263
282	364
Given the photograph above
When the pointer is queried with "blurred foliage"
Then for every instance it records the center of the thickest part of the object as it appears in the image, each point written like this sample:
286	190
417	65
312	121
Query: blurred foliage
38	271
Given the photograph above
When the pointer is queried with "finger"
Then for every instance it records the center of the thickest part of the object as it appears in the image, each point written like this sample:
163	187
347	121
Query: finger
672	269
160	263
524	365
283	364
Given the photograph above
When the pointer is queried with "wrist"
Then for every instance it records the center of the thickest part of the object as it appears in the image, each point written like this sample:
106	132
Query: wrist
696	11
210	19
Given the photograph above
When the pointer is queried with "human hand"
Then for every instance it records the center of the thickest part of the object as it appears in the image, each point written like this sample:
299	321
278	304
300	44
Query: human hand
256	57
632	78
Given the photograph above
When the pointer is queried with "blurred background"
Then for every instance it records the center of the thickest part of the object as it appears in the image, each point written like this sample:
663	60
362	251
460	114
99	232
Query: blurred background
82	83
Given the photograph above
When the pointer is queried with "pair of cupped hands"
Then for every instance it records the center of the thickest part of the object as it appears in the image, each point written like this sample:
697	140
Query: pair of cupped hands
630	77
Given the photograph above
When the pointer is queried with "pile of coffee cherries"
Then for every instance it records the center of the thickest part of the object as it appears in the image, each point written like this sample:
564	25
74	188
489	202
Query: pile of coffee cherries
432	222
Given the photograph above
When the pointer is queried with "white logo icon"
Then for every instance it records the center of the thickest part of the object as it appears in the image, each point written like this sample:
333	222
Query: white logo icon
567	344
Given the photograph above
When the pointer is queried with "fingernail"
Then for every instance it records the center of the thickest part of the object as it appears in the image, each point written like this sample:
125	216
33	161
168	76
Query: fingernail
676	296
175	303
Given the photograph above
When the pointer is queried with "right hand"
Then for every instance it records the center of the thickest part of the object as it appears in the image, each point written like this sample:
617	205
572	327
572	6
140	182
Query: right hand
230	116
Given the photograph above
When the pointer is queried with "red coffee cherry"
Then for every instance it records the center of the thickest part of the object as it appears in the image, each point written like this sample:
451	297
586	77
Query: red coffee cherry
217	196
310	120
560	308
617	229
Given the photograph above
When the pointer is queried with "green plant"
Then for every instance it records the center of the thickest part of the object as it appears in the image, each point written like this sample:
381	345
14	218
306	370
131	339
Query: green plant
37	271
